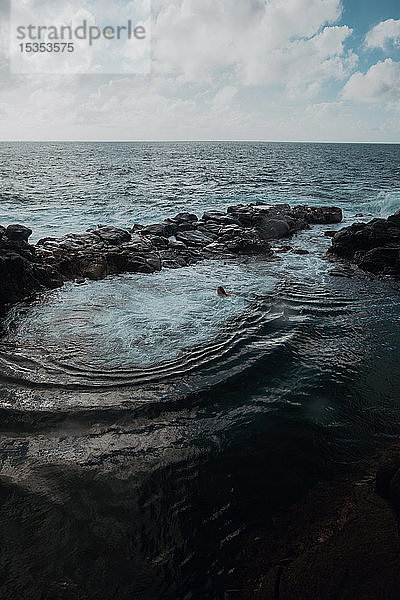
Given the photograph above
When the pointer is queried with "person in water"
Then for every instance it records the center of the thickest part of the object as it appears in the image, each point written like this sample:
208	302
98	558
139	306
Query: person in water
222	292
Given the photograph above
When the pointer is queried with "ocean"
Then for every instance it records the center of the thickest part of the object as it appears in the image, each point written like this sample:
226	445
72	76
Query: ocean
149	426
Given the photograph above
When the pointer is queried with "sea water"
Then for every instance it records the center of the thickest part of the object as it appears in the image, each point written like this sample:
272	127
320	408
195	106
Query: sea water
149	424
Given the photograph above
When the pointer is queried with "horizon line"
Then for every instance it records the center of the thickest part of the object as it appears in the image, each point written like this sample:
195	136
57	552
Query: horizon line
192	141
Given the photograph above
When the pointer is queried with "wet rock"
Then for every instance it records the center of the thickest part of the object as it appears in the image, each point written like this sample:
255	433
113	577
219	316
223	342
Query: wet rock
383	260
184	226
113	235
96	269
176	245
373	246
330	233
18	233
282	249
300	251
321	215
394	219
194	238
339	273
158	241
159	229
272	229
219	217
139	244
185	217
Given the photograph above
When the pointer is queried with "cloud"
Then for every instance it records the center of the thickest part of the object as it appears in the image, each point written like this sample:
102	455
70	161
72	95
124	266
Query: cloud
282	42
380	84
383	33
232	69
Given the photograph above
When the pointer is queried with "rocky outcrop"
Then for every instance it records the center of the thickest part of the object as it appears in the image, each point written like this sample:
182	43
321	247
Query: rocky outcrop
173	243
373	246
340	541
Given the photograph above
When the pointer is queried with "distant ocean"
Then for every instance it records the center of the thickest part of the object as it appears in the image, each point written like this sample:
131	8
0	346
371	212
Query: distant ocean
146	424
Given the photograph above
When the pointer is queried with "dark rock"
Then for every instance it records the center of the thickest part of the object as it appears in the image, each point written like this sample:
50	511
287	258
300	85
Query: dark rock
184	226
330	233
272	229
300	251
210	227
373	246
139	243
395	219
220	217
339	273
384	260
321	215
18	233
113	235
96	270
282	249
160	229
174	244
185	217
158	242
243	214
194	238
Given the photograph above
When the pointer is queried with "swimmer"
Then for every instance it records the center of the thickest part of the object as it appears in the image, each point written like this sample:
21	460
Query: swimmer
222	292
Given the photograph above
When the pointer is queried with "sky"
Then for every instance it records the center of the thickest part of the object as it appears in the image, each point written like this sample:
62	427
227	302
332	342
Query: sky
267	70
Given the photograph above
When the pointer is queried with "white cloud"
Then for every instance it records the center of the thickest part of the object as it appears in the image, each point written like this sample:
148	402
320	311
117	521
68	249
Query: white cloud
383	33
282	42
380	84
232	69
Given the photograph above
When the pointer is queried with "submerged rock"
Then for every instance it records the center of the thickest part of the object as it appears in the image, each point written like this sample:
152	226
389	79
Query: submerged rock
373	246
173	243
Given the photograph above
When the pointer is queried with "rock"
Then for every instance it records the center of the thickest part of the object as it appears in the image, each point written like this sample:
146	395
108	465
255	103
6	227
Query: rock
184	226
272	229
2	231
329	233
300	251
139	244
112	235
394	219
321	215
394	487
210	228
243	214
219	217
159	229
194	238
158	241
18	233
96	270
174	244
185	217
282	249
382	260
373	246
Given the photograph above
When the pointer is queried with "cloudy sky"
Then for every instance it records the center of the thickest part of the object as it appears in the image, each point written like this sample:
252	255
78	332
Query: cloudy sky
306	70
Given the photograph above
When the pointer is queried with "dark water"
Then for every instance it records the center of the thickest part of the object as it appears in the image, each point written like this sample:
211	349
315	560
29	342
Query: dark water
148	424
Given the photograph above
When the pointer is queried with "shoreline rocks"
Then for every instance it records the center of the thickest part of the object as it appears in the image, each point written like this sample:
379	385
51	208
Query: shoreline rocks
177	242
339	541
374	246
